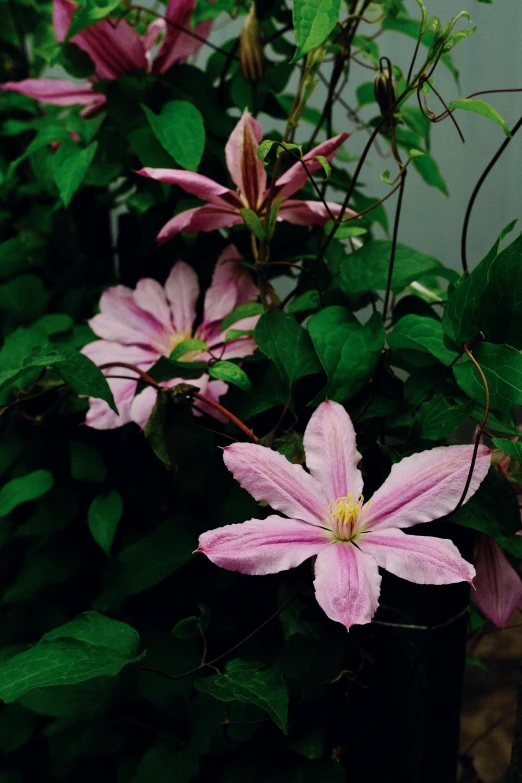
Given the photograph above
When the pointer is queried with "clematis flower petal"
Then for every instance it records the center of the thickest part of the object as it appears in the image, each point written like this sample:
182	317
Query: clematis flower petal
151	35
177	45
182	290
150	297
269	476
498	586
419	559
197	184
347	584
142	405
99	415
331	451
309	213
206	218
426	486
246	170
122	320
57	92
263	546
231	286
113	45
296	177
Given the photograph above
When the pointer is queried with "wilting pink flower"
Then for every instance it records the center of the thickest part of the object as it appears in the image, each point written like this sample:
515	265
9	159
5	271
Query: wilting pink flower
139	326
224	205
328	516
498	586
115	49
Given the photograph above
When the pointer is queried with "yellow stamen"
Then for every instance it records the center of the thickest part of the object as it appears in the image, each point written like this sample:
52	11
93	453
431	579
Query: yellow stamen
345	513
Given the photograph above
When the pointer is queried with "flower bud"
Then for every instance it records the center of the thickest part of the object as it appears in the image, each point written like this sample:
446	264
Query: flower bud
384	90
251	57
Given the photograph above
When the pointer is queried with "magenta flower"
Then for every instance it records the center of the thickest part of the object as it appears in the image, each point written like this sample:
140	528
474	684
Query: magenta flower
223	207
139	326
115	49
498	586
329	518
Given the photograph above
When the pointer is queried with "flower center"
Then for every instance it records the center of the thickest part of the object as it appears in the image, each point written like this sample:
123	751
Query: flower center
345	513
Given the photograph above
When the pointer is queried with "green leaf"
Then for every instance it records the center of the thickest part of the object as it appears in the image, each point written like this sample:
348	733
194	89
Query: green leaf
287	344
367	268
494	510
71	164
89	12
512	448
343	231
231	373
180	130
188	628
77	370
429	171
264	149
490	299
163	764
186	347
438	418
54	323
253	223
251	684
421	333
478	106
143	564
314	20
86	699
104	515
309	300
89	646
245	310
324	165
502	368
45	136
87	463
348	350
23	490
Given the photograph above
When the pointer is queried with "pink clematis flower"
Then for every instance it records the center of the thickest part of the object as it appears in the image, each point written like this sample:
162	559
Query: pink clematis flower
328	516
498	586
115	49
248	173
139	326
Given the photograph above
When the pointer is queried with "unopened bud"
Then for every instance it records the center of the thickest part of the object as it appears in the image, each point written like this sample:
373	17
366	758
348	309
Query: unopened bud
384	90
251	56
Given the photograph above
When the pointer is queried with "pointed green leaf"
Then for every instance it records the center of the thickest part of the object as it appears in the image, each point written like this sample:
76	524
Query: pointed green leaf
230	373
348	350
103	516
89	646
250	683
438	418
478	106
314	20
24	489
71	164
180	130
513	448
253	223
280	337
186	347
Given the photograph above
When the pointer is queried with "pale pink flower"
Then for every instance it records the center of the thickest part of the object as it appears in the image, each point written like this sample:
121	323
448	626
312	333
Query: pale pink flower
248	173
115	49
328	516
139	326
498	586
